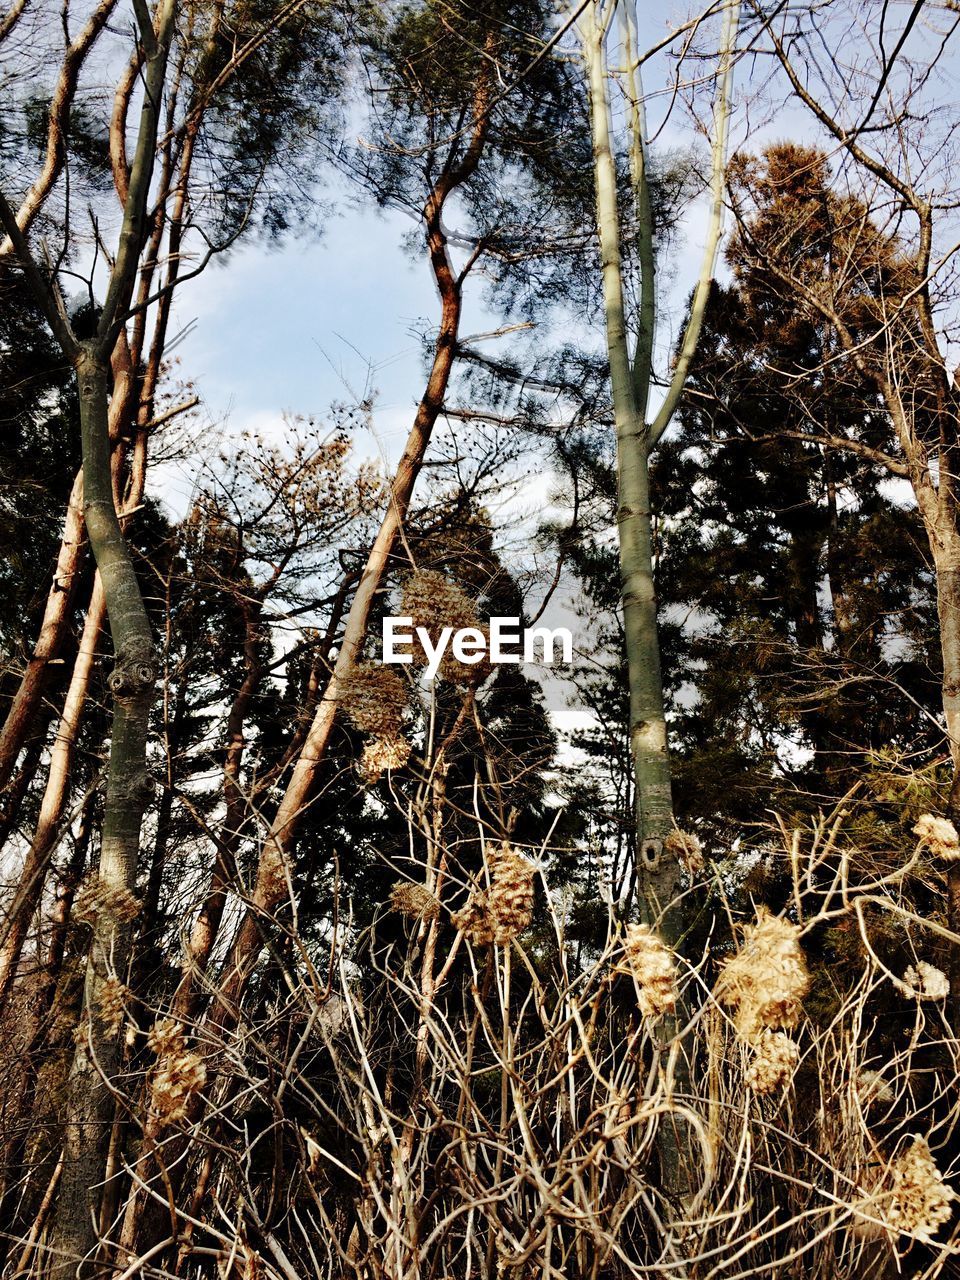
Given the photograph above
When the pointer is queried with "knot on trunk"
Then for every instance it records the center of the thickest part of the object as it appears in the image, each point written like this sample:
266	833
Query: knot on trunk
142	786
131	677
651	851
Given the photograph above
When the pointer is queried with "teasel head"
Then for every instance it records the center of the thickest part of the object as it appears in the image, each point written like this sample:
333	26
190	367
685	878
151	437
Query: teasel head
373	697
648	960
766	981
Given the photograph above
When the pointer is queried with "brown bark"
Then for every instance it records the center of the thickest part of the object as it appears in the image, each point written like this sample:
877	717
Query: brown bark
59	119
56	791
56	613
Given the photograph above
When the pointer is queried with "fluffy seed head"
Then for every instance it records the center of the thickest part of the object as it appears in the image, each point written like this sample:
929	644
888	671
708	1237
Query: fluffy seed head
920	1200
510	899
373	698
649	962
939	835
773	1063
767	979
381	754
925	981
414	900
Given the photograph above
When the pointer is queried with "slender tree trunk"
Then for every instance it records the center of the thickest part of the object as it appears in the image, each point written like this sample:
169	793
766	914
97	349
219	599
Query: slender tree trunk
648	729
57	788
129	788
55	616
55	795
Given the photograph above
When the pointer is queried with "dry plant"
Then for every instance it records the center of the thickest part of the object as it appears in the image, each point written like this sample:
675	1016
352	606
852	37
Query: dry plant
465	1090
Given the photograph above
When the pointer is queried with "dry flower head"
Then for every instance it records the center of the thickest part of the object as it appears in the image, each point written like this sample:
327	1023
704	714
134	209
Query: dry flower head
510	898
473	920
95	899
467	674
873	1088
434	602
373	698
648	960
414	900
939	835
925	981
112	1001
381	754
178	1074
765	982
912	1197
773	1063
686	848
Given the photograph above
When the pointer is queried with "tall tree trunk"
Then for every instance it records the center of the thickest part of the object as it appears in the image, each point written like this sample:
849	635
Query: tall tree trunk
55	795
648	729
129	788
55	616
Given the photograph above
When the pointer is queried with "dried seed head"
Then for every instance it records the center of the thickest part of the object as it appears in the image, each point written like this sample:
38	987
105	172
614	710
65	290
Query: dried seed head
873	1088
510	899
434	602
648	960
373	698
95	899
165	1036
381	754
767	979
925	981
467	674
112	1001
686	848
773	1063
178	1074
473	920
414	900
939	835
919	1201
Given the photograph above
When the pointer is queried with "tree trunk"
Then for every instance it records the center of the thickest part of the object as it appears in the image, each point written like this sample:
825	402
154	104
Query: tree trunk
54	800
59	599
648	729
89	1099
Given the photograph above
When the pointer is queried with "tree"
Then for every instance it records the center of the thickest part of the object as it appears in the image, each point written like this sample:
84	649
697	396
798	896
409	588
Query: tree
791	562
631	377
114	388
